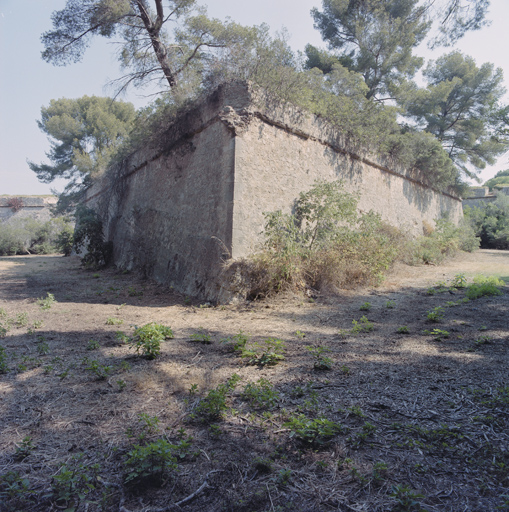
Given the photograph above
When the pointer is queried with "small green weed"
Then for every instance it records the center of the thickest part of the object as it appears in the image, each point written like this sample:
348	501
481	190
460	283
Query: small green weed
21	320
403	330
73	482
133	292
42	347
365	307
390	304
321	361
300	334
24	448
15	491
46	303
261	395
435	314
147	339
483	340
459	281
101	371
201	337
265	353
406	499
93	345
114	321
4	367
213	406
438	334
316	432
363	325
237	343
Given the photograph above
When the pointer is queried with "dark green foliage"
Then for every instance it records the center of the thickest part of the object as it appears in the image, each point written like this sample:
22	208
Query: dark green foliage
460	107
261	395
212	407
84	133
374	38
149	464
491	223
89	238
315	432
32	236
483	286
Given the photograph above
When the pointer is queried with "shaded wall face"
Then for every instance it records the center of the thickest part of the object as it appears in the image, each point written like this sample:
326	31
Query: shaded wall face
171	218
274	165
38	208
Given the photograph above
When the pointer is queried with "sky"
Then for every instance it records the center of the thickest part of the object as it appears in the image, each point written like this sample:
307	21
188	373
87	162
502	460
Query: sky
27	83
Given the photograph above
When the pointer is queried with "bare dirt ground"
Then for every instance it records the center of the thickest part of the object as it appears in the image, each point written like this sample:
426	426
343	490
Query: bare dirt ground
403	421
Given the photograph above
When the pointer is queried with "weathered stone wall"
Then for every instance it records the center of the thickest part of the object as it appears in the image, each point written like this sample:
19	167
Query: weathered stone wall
177	212
36	207
481	196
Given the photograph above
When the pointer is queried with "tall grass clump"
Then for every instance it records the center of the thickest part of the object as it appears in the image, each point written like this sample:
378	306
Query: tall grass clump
326	245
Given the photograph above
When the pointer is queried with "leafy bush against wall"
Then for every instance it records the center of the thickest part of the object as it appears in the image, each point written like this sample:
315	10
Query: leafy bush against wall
89	238
327	245
32	236
491	223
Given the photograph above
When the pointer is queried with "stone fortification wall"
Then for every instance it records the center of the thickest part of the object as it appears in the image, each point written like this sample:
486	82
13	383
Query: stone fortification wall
481	196
36	207
177	212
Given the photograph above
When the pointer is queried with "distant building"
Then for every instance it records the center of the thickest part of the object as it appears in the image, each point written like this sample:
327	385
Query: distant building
481	196
20	207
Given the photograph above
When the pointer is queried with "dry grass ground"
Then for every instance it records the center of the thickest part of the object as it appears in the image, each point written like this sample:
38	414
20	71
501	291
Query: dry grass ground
419	421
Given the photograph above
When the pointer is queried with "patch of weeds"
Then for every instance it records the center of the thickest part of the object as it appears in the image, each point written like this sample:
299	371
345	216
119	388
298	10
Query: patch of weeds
122	337
436	314
459	281
114	321
390	304
283	477
42	347
101	371
265	353
96	276
237	343
213	406
366	306
201	337
121	383
124	366
498	397
360	438
403	330
263	466
356	411
406	500
379	471
483	340
46	303
344	370
363	325
149	465
314	432
4	367
3	331
133	292
438	334
261	395
300	334
15	491
21	320
93	345
73	482
484	286
24	449
321	361
147	339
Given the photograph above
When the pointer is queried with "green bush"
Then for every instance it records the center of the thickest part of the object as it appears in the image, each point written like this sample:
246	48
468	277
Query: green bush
32	236
491	223
89	239
147	339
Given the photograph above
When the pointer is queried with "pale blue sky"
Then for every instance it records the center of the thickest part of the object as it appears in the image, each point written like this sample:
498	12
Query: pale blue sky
27	83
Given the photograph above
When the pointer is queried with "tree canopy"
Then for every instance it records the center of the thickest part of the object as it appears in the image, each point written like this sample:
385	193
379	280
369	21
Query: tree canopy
84	133
372	37
148	50
460	106
501	179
